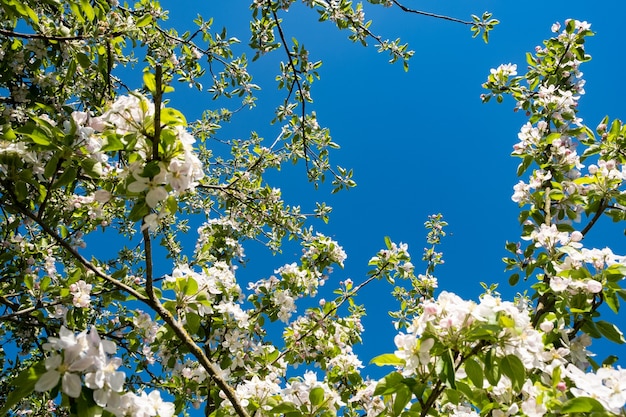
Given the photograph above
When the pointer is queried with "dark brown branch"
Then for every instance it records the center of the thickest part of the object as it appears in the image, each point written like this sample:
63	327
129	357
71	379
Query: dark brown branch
156	305
154	302
296	77
13	34
63	243
603	206
436	16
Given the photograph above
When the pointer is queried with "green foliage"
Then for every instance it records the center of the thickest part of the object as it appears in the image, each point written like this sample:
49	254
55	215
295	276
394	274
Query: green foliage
84	155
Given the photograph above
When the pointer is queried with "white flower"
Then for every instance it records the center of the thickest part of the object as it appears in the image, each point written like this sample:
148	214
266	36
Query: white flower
102	196
505	70
150	222
66	369
156	191
594	286
160	407
82	294
559	284
546	326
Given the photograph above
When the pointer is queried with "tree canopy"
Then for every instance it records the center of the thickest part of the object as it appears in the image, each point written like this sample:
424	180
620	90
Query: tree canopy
92	148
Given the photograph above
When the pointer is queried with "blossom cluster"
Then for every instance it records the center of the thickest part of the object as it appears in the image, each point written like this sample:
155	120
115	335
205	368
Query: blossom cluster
214	289
607	385
85	359
449	321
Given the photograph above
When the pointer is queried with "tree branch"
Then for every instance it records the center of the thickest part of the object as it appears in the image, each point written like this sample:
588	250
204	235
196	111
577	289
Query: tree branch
13	34
436	16
603	206
63	243
345	298
154	302
296	79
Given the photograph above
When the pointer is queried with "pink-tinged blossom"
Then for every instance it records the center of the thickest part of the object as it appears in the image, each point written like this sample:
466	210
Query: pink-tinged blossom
347	362
373	405
559	284
81	291
127	114
504	71
102	196
593	286
58	367
521	193
546	326
261	391
538	177
286	304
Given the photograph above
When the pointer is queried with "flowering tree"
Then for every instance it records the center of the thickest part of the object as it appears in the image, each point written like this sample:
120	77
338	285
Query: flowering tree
83	154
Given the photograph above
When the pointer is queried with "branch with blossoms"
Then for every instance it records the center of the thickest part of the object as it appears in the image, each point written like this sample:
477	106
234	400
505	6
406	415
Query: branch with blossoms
511	358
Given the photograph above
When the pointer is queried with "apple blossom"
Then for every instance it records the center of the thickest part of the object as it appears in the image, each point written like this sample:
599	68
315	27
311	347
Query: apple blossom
81	156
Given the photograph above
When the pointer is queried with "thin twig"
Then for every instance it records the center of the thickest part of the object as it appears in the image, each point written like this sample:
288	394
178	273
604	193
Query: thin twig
436	16
296	77
63	243
345	298
603	206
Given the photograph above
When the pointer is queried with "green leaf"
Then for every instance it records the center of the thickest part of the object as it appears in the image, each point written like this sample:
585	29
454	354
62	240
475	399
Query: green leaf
581	405
513	367
76	11
190	286
87	9
29	281
24	385
25	11
389	384
144	20
68	176
316	396
610	331
447	372
611	299
615	272
474	372
86	406
112	143
83	60
284	408
150	81
193	322
401	399
35	134
387	359
172	117
138	211
171	204
524	165
492	370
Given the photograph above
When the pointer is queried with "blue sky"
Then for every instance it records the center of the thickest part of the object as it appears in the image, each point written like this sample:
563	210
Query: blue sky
420	142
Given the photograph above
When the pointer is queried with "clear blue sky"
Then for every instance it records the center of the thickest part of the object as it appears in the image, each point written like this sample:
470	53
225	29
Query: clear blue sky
421	142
